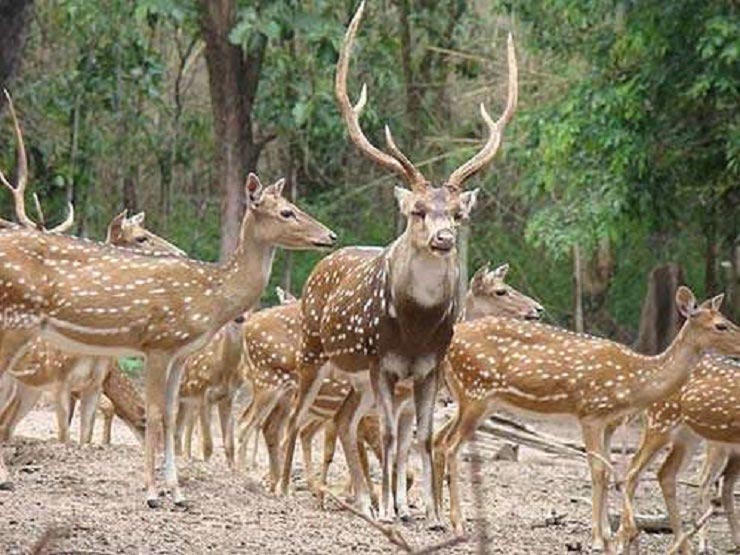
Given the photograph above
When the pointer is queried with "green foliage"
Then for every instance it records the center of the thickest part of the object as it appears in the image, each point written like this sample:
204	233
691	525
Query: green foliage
627	126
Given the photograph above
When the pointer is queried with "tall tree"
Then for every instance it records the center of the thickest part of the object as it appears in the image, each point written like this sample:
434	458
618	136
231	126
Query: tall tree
233	76
14	18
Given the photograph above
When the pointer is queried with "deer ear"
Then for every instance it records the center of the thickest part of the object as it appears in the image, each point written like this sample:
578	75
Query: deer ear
467	202
403	197
253	188
138	219
501	271
285	297
117	222
686	301
479	275
276	188
714	303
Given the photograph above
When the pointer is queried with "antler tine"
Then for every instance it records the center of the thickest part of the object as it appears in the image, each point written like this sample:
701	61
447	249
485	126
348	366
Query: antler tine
351	115
68	222
39	211
22	169
486	154
412	170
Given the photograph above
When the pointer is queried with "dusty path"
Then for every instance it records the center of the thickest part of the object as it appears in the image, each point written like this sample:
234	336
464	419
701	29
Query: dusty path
94	498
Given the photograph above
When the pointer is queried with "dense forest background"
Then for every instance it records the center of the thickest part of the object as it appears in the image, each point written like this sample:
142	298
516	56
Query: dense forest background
624	152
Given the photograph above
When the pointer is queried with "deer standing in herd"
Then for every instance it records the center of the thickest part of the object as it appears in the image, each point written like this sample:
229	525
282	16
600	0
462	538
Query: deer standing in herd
533	367
67	375
384	315
707	407
95	299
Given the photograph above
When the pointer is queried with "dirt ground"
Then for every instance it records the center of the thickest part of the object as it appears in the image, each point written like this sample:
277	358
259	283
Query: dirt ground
92	501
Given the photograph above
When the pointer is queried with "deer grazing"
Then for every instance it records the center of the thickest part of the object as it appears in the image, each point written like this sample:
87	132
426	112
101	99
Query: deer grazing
707	408
108	301
497	362
44	367
384	315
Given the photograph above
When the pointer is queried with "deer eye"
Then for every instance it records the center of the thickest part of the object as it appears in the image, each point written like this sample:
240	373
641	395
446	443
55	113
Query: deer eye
500	292
142	239
418	212
721	326
458	216
287	213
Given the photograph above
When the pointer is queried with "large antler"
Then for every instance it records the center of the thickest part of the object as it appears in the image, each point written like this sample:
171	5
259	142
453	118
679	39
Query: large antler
19	190
396	162
486	154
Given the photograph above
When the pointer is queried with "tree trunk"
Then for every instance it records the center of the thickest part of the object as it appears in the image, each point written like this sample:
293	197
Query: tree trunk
578	324
734	285
233	79
660	320
14	18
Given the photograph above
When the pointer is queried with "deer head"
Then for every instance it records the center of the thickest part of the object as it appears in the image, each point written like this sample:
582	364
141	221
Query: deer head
18	191
282	223
433	213
707	328
490	295
123	230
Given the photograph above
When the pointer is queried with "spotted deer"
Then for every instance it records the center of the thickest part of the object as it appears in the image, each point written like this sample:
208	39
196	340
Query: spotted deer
384	315
100	300
487	295
211	376
67	375
705	408
495	362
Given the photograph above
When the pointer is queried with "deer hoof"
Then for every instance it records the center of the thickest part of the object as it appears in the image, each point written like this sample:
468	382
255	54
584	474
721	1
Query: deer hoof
7	486
154	503
182	505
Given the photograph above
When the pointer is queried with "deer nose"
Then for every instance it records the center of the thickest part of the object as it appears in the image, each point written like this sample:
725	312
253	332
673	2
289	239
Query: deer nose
443	240
332	237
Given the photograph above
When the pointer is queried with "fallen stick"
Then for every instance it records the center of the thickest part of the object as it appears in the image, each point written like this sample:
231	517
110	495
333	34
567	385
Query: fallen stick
686	536
530	438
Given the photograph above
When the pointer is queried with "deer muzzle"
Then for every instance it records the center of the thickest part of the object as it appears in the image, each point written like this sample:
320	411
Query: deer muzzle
442	241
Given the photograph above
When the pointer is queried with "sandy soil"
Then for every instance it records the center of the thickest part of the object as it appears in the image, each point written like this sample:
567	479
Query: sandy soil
92	498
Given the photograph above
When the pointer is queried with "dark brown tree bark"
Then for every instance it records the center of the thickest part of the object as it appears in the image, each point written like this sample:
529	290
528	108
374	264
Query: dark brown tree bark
233	77
14	18
660	320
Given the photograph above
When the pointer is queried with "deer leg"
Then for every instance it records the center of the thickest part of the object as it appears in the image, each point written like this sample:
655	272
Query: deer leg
307	434
425	393
180	423
348	418
370	436
263	403
405	436
172	391
272	428
714	465
62	400
384	384
205	413
330	445
595	441
467	421
667	475
226	419
90	397
651	442
309	384
107	427
732	471
441	441
156	380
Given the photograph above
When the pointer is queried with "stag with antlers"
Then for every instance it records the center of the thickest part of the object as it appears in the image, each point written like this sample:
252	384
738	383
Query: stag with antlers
538	368
100	300
384	315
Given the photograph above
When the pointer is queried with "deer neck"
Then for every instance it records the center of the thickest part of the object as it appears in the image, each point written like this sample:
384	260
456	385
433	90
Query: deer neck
420	277
670	369
247	272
